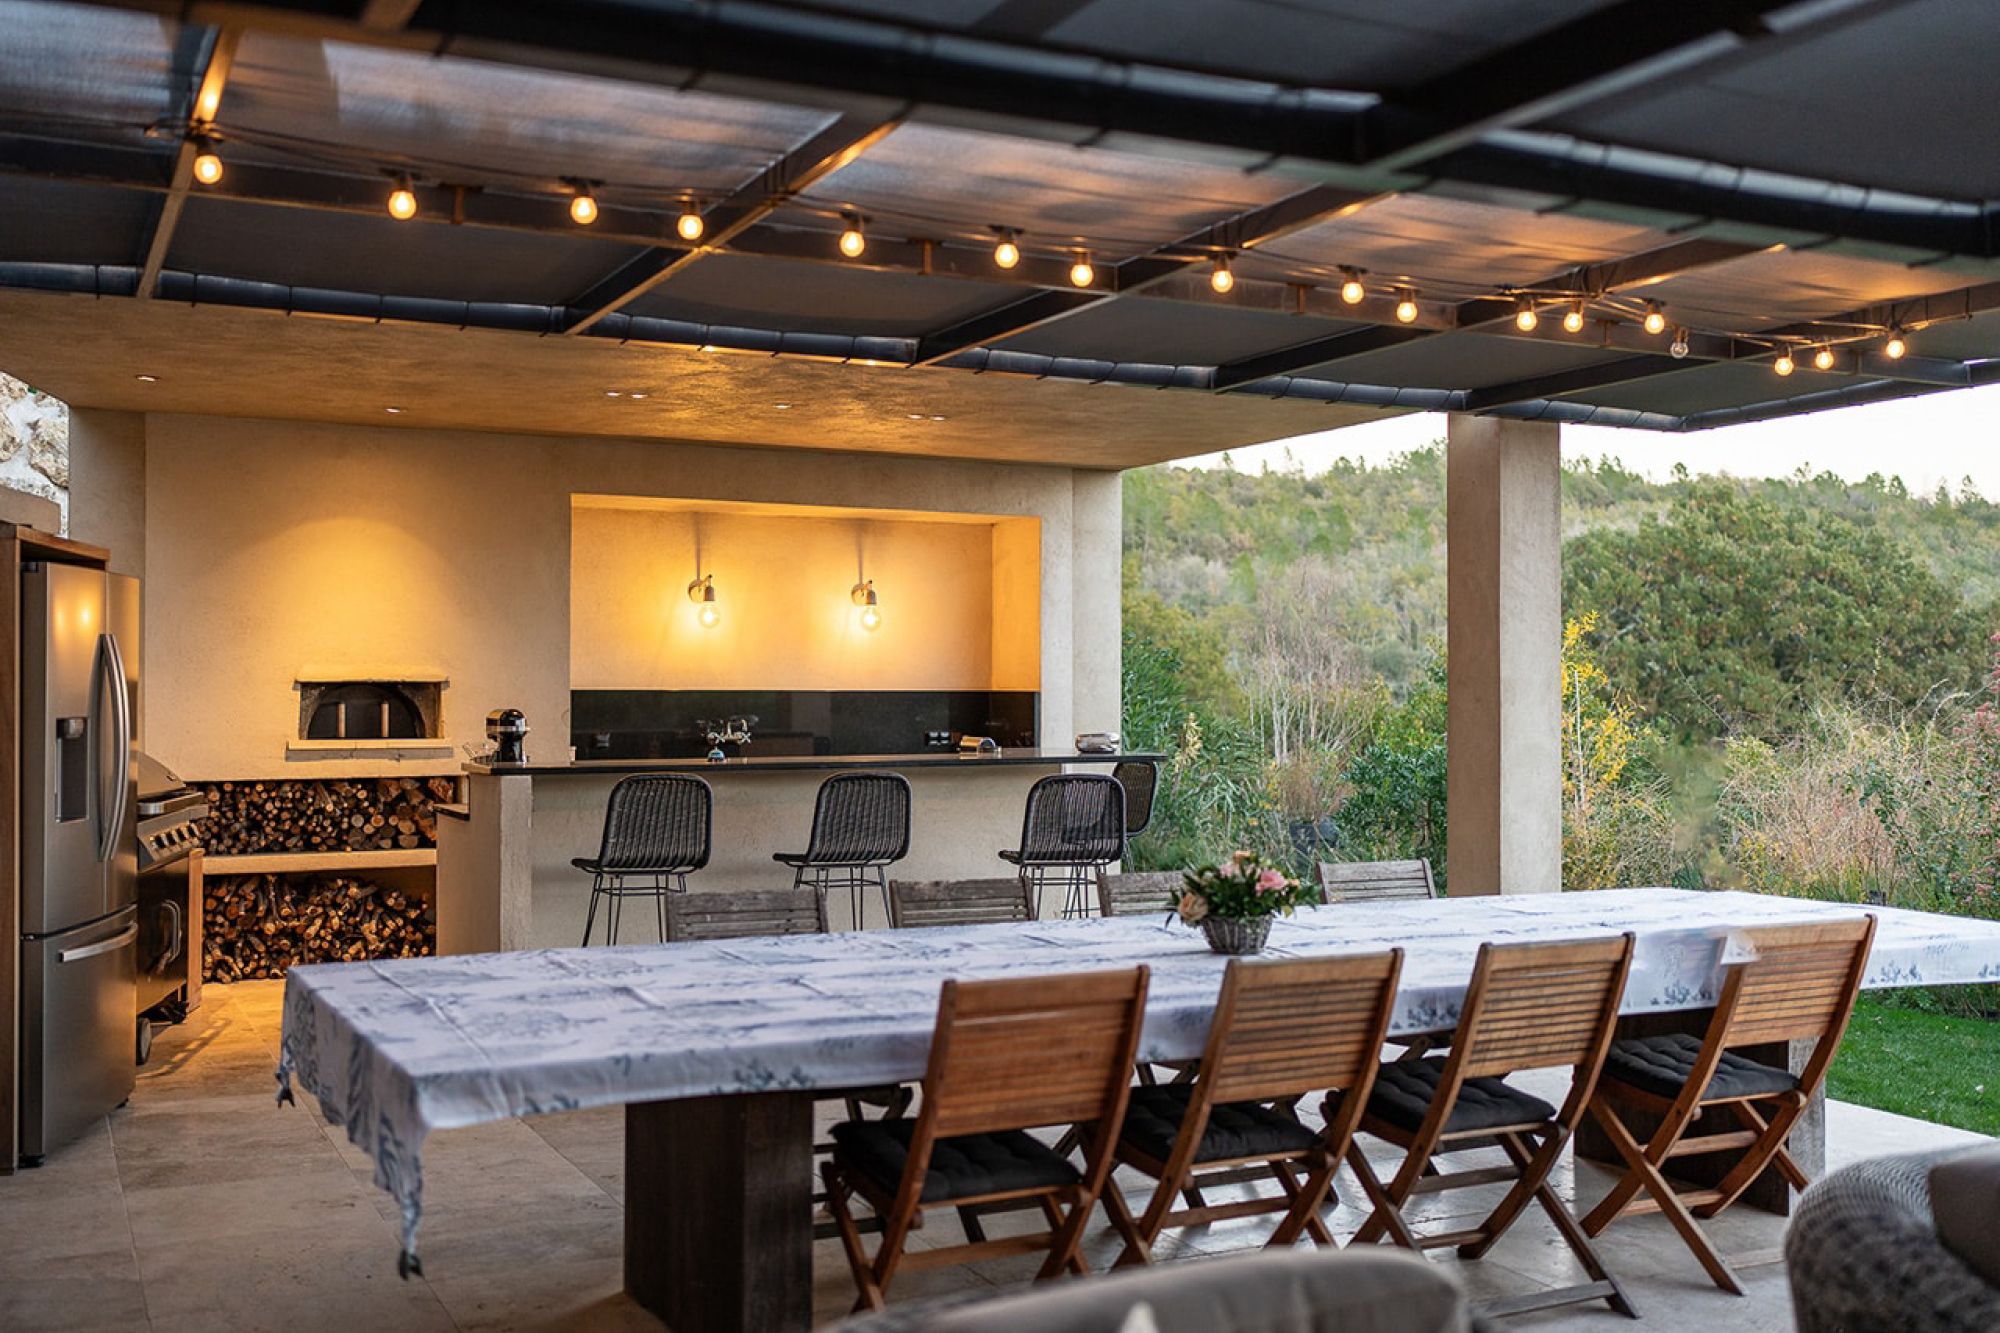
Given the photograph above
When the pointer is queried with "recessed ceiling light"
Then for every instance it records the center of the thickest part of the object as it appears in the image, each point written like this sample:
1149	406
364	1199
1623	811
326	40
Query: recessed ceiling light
613	393
916	416
147	379
708	347
781	406
937	418
392	410
636	395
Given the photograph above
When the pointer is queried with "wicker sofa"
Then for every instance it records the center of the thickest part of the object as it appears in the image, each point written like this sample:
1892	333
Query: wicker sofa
1906	1242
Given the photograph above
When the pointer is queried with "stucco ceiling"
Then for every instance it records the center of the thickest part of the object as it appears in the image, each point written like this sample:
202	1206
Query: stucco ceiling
1778	178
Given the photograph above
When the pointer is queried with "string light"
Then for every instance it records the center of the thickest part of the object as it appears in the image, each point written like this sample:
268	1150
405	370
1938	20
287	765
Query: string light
1823	359
583	208
207	162
852	242
1007	251
1656	321
1406	304
1525	318
402	200
1896	346
1678	349
1222	279
1784	365
1081	274
1573	318
1351	290
690	226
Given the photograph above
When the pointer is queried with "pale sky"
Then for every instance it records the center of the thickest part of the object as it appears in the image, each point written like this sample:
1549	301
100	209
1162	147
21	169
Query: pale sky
1941	437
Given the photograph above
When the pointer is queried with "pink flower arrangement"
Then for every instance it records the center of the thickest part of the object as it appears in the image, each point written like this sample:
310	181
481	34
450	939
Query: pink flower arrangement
1244	885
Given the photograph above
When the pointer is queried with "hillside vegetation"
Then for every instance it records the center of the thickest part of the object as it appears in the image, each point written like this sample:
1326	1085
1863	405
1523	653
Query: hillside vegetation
1784	684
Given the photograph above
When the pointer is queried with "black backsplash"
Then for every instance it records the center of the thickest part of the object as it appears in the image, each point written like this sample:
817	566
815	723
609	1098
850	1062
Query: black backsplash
663	724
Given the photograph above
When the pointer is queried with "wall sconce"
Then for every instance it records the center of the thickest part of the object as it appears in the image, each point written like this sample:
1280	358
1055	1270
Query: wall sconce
864	597
702	591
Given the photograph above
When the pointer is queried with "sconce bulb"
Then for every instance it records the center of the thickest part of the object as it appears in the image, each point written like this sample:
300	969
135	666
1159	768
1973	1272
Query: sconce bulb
402	200
863	596
690	226
701	591
871	618
1656	322
709	616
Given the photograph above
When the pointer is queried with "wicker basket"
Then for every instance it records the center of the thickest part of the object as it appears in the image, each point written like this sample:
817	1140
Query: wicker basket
1236	934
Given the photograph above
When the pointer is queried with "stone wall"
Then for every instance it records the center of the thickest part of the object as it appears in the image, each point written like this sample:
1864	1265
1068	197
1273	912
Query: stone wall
34	442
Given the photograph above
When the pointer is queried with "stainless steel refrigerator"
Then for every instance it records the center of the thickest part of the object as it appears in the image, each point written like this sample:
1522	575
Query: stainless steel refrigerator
79	852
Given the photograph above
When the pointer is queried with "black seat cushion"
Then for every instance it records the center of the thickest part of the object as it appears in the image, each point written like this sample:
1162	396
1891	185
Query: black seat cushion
965	1165
1235	1129
1404	1090
1661	1065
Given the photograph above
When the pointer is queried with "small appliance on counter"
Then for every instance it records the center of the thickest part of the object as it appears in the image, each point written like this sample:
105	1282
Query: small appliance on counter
1097	742
507	728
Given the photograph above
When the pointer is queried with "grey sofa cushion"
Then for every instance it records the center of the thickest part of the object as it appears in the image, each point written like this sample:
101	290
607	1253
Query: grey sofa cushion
1965	1201
1299	1291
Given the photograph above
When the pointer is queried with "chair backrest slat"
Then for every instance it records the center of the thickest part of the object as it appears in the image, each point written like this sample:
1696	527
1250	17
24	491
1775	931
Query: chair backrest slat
657	822
958	902
1285	1027
1368	881
861	819
1029	1051
1138	893
1530	1006
744	913
1801	984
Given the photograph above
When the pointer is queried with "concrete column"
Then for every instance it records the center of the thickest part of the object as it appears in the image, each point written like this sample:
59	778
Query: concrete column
107	485
1503	528
1096	561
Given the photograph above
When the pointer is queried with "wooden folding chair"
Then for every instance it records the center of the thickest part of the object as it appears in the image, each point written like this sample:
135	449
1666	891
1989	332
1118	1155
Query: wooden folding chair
1529	1006
1374	881
958	902
1281	1029
1006	1056
1138	892
1798	984
734	914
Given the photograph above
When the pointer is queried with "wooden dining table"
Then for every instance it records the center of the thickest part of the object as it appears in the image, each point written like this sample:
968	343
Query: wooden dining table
718	1049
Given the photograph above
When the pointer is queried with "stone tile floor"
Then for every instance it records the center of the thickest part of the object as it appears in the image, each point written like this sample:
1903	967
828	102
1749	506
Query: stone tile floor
202	1206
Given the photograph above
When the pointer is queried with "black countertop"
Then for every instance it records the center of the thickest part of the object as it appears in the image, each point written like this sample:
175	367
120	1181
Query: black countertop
813	763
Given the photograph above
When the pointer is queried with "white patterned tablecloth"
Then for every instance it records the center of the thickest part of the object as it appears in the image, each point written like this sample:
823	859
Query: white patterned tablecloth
396	1049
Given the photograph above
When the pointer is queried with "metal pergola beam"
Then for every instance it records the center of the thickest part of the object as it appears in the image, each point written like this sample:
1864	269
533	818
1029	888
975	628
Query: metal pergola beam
204	98
818	157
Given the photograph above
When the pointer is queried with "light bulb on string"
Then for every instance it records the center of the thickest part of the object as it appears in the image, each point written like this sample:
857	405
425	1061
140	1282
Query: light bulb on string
1406	305
207	162
1784	365
583	208
852	242
1006	251
1221	279
1525	318
1895	348
689	226
1656	320
1351	290
402	200
1573	318
1678	348
1081	274
1823	359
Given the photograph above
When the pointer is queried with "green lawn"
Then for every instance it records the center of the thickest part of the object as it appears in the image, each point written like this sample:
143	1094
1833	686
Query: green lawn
1931	1066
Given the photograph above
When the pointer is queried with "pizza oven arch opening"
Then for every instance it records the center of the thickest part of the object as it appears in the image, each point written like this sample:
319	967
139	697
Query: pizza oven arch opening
372	710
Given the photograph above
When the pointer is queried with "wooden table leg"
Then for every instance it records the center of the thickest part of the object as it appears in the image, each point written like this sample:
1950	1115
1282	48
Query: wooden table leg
1770	1191
718	1211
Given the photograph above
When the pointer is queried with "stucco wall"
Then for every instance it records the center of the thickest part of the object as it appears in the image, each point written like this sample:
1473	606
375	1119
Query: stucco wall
274	549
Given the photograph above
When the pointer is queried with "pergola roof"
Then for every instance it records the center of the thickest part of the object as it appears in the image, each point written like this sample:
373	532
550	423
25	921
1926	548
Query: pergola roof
1777	179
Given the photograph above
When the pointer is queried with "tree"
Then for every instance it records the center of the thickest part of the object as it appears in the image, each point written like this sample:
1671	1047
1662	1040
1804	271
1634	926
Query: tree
1617	824
1735	613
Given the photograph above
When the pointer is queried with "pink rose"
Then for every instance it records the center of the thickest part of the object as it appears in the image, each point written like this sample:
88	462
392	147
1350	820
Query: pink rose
1270	879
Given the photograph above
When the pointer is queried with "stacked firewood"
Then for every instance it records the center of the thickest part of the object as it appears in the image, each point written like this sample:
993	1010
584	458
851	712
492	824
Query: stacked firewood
324	815
259	925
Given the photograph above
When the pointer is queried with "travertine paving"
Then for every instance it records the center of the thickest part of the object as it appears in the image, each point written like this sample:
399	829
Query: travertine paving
201	1205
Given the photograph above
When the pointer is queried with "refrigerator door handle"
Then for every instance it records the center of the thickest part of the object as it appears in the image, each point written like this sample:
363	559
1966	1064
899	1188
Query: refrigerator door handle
111	793
112	945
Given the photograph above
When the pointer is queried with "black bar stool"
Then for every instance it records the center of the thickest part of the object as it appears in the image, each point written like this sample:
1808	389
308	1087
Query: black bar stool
656	829
861	824
1075	823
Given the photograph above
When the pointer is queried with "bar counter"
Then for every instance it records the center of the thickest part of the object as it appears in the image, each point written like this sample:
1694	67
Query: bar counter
505	881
